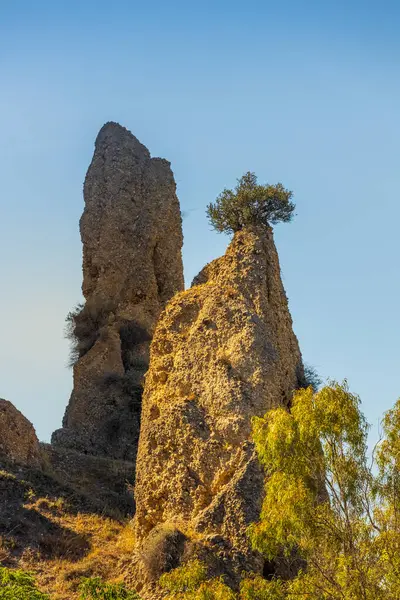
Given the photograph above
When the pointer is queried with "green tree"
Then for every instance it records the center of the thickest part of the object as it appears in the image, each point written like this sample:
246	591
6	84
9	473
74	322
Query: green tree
324	501
327	504
250	204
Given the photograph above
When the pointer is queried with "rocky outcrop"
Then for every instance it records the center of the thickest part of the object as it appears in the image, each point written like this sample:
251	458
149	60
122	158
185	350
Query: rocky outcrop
132	238
223	352
18	441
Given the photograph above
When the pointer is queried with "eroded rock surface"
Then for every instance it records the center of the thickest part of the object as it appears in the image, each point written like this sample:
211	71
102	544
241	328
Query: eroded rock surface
132	238
223	352
18	441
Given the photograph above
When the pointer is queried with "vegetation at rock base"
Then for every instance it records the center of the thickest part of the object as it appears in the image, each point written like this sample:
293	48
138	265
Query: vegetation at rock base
326	503
250	204
190	582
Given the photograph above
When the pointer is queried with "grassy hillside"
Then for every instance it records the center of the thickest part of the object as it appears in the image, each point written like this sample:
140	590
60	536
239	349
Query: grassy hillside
59	535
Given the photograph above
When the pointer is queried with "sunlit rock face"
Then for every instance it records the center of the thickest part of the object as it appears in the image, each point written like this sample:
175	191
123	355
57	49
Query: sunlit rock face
223	352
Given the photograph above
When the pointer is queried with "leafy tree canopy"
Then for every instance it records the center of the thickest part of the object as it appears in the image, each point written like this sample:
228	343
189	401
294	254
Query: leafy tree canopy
325	501
250	204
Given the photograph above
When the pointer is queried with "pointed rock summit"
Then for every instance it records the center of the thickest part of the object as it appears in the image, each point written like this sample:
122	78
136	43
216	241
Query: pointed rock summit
223	352
131	233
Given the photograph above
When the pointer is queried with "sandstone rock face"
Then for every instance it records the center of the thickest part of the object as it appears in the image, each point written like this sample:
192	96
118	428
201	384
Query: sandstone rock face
223	352
132	237
18	441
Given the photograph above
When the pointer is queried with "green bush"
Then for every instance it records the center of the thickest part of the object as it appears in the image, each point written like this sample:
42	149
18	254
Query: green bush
257	588
186	578
96	589
250	204
18	585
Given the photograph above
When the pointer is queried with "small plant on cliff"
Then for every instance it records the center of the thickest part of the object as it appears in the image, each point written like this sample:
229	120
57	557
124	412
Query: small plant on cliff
83	325
250	204
311	377
18	585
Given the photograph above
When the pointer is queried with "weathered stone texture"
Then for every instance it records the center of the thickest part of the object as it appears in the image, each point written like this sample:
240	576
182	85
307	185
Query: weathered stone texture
18	441
223	352
132	238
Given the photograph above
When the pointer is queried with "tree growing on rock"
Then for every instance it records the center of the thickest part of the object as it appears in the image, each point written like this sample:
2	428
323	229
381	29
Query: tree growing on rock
250	204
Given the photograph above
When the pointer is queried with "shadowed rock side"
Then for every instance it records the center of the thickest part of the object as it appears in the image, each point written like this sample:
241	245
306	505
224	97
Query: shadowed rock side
132	237
106	482
18	441
223	351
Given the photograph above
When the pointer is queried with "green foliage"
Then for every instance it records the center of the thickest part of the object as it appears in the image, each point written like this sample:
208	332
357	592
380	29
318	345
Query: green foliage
326	506
250	204
96	589
18	585
190	582
324	500
184	579
258	588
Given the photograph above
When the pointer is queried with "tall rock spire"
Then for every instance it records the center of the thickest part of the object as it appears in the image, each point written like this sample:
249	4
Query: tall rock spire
131	233
223	352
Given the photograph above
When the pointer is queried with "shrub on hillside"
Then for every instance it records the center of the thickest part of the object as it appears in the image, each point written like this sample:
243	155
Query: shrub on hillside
250	204
190	582
96	589
18	585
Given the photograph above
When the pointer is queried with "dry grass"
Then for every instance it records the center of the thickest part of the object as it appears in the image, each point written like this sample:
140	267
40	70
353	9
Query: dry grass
108	552
58	538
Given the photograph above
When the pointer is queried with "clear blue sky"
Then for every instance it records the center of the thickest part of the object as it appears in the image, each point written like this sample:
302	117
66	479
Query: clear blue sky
306	93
